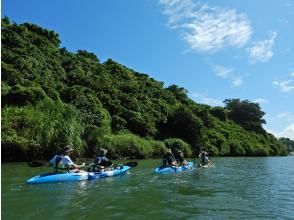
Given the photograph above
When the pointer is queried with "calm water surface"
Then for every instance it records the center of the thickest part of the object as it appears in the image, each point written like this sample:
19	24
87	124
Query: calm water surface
237	188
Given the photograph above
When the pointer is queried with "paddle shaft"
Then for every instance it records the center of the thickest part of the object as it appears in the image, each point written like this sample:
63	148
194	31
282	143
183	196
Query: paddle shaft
173	155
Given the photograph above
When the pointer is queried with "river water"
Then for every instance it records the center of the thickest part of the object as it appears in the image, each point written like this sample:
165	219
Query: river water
237	188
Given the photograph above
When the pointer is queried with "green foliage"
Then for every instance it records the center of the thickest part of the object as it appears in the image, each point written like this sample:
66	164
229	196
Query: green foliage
52	97
88	105
182	123
40	130
94	138
20	96
125	145
236	148
288	144
246	114
219	112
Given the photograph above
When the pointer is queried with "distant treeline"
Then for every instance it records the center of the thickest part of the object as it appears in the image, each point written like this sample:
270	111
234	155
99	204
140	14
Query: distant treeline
52	97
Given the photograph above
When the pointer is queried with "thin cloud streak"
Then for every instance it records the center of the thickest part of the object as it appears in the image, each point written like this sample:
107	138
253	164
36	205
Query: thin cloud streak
205	28
284	86
228	73
261	51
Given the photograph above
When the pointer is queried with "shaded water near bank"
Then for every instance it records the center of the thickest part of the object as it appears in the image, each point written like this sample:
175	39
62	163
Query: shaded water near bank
237	188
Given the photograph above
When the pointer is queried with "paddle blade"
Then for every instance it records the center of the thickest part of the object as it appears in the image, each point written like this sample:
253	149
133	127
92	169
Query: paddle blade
36	163
131	164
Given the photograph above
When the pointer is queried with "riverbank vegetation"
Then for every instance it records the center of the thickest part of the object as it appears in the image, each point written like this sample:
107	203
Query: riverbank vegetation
52	97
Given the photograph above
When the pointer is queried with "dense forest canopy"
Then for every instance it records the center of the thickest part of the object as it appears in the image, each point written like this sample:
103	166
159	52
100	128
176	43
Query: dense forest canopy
52	97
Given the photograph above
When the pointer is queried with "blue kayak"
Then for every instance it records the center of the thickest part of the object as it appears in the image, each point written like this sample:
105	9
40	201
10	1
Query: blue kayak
71	177
173	169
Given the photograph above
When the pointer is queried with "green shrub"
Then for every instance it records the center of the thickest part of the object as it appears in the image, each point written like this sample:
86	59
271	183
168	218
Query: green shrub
42	129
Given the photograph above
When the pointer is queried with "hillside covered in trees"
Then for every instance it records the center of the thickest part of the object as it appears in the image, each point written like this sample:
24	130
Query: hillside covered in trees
52	97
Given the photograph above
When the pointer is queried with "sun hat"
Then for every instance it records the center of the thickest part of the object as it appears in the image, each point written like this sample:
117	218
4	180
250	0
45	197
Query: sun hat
68	149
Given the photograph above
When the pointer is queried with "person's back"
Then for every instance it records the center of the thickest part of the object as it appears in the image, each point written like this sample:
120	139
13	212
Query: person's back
169	160
63	162
204	158
180	158
101	161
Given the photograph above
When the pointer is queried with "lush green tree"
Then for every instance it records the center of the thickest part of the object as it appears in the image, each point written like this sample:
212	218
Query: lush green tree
246	113
287	143
185	125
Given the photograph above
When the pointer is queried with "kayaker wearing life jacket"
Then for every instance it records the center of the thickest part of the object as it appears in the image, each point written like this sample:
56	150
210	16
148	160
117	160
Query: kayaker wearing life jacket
180	158
169	160
101	161
203	156
63	161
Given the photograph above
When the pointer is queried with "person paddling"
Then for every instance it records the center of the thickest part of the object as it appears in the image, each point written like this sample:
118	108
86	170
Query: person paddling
100	162
64	162
180	158
169	159
203	156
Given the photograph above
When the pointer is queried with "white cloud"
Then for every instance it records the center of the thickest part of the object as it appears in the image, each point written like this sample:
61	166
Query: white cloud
222	71
228	73
284	86
204	99
288	132
237	81
260	101
261	51
206	28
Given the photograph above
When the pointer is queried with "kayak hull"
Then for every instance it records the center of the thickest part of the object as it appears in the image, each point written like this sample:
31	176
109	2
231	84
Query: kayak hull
73	177
172	169
116	172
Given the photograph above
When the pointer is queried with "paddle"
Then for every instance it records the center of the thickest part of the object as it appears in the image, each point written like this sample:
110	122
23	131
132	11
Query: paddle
173	156
131	164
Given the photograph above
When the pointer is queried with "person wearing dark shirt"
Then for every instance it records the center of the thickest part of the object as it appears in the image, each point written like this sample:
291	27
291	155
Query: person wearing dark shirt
169	159
101	161
203	156
180	158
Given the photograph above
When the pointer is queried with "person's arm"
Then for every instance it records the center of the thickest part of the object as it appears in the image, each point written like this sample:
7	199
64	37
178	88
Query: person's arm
79	166
69	162
174	163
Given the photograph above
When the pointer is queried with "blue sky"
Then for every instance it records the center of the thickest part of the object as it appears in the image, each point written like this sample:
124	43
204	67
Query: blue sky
216	49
